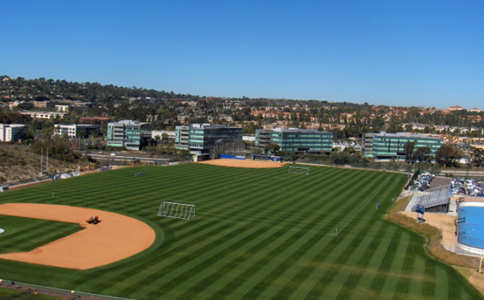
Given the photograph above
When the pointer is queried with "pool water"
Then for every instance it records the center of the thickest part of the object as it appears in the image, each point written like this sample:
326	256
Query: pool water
471	225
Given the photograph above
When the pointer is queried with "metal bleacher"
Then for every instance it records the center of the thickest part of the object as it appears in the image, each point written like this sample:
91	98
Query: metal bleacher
437	197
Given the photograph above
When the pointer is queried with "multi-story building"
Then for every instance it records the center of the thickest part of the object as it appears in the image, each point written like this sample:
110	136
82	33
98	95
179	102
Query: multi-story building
62	107
127	134
182	137
40	104
76	130
158	134
392	145
296	139
11	132
44	114
202	139
263	137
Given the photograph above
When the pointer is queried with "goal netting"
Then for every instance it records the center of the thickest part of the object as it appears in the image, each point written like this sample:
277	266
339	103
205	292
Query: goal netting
298	170
176	210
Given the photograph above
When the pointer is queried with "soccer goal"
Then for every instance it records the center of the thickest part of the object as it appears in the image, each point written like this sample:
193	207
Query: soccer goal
176	210
298	170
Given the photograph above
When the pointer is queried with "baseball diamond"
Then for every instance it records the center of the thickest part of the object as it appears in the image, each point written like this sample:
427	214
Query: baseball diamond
257	234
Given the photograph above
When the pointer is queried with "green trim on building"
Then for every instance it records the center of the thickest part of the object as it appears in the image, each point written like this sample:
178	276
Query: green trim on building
392	145
296	140
201	138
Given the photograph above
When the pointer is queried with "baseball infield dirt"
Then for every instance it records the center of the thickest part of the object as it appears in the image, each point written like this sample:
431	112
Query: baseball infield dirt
117	237
246	163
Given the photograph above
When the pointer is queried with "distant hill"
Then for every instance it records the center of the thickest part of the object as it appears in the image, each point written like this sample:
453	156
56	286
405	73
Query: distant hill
42	89
49	89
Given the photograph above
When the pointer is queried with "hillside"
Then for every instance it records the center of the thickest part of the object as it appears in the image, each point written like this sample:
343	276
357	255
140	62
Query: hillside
165	110
18	163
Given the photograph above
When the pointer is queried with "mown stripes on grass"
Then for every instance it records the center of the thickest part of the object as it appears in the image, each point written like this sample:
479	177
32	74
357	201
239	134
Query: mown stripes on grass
24	234
259	234
265	210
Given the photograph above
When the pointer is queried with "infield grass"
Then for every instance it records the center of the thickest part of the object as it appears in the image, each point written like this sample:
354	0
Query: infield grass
24	234
258	234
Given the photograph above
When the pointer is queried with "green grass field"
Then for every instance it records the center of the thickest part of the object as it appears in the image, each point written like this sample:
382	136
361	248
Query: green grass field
23	234
258	234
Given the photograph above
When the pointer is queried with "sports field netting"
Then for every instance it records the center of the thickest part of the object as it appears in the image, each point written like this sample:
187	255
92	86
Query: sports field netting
258	234
176	210
298	170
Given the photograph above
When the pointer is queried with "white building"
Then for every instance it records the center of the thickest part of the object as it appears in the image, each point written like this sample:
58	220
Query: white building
13	104
248	138
62	107
65	129
43	114
75	130
159	133
11	132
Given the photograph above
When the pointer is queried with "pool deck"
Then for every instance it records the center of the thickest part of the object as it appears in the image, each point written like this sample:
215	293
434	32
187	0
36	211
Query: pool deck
445	223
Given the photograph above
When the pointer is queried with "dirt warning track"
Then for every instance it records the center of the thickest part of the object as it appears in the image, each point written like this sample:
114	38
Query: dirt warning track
117	237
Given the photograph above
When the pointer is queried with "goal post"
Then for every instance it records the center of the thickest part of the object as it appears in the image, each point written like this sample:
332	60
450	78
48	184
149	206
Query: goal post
298	170
176	210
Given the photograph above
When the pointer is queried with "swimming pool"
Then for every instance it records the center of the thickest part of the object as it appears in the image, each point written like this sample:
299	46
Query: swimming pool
470	227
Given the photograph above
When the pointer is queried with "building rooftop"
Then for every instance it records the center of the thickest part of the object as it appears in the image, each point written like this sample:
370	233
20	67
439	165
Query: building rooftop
210	126
405	134
96	118
128	122
13	125
299	130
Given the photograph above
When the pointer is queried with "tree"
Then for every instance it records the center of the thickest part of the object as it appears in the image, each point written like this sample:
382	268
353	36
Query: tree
408	128
409	149
447	155
164	138
478	157
272	148
394	126
422	154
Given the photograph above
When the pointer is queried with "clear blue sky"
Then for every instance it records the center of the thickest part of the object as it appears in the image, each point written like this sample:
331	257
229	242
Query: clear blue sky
383	52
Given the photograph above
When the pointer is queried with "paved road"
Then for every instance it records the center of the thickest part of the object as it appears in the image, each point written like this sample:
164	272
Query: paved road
463	173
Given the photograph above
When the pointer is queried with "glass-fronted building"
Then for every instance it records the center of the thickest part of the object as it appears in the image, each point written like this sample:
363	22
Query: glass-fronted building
12	132
126	134
182	136
203	138
296	139
76	130
392	145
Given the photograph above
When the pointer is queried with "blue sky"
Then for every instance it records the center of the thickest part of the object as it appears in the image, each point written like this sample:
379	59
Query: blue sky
382	52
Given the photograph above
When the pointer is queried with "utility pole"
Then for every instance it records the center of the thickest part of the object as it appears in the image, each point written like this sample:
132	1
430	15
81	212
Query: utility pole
47	164
41	160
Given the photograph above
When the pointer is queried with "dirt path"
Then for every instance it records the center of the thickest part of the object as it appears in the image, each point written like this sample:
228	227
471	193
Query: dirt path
247	163
117	237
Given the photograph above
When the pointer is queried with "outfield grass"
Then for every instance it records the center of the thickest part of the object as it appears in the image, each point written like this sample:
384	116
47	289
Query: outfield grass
24	234
259	233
